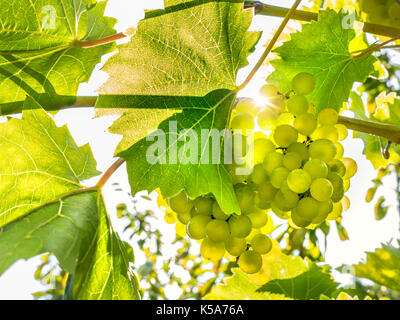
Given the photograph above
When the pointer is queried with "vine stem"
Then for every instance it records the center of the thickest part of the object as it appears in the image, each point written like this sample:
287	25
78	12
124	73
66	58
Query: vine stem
271	44
275	11
388	131
109	172
101	41
376	47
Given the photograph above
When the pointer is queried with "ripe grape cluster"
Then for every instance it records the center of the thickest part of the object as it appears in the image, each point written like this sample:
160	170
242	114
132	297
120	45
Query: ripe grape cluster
297	172
386	12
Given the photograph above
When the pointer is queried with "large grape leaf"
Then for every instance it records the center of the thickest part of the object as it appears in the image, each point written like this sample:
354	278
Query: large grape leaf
38	161
310	284
388	113
44	208
38	52
185	59
322	49
382	267
240	287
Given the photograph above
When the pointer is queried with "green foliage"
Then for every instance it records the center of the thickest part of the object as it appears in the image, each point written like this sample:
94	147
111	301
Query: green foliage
38	55
240	287
322	49
372	144
382	267
38	162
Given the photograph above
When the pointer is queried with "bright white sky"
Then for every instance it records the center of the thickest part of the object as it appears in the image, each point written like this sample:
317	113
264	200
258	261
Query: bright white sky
365	233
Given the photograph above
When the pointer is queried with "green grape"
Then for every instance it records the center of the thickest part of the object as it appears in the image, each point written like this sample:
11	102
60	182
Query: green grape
298	220
321	189
183	217
336	211
272	161
307	208
196	228
324	208
180	203
285	118
277	103
250	261
280	213
278	176
342	131
261	243
213	251
379	15
203	205
323	149
170	217
286	200
292	160
299	180
266	191
297	105
340	150
269	90
247	106
240	226
261	148
300	149
338	188
242	121
351	167
258	218
316	168
345	203
346	184
303	83
267	118
284	135
258	176
235	246
218	213
305	124
245	196
218	230
326	131
328	116
337	166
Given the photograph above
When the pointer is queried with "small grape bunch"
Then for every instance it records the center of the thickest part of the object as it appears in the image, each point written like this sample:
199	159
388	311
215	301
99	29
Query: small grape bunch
237	237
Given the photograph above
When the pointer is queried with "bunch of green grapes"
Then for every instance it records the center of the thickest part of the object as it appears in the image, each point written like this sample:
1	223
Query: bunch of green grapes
238	237
299	171
386	12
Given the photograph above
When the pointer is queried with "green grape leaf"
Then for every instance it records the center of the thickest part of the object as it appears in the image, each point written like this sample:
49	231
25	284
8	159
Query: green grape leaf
380	209
388	113
322	49
38	52
309	283
381	267
240	287
103	272
182	60
44	208
38	162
